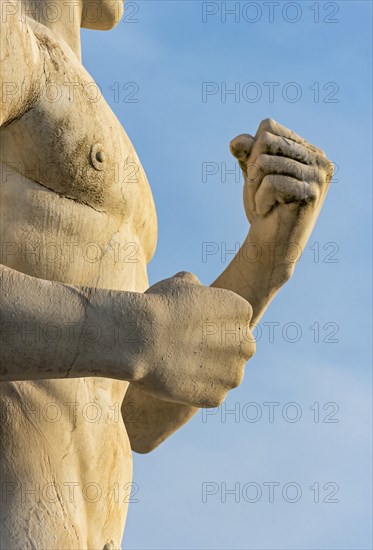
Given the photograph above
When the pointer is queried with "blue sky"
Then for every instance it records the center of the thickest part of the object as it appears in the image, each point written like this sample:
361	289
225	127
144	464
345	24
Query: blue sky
169	53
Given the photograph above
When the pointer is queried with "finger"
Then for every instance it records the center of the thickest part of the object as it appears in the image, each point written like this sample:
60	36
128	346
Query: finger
283	189
241	146
270	144
234	373
266	165
270	125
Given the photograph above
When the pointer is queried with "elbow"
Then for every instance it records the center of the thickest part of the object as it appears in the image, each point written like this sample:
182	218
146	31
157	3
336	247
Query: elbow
145	446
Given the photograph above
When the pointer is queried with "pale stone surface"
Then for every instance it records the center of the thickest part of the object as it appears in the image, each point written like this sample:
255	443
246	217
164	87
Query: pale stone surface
158	354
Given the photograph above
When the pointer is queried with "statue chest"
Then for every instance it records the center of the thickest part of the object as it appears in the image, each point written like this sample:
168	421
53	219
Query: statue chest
71	142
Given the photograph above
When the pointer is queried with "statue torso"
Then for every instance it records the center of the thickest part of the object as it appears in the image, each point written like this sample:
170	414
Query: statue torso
76	208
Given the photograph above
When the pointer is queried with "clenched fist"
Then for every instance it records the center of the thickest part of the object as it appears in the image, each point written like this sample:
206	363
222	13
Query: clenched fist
286	180
196	343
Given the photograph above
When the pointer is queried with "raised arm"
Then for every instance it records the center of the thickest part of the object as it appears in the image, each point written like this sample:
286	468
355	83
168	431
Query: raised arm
21	62
286	180
285	184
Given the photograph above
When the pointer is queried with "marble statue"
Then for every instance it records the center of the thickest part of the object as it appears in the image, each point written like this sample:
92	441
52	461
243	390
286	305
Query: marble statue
91	334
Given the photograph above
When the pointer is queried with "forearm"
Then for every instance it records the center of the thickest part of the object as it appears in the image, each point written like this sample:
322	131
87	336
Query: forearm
53	330
257	272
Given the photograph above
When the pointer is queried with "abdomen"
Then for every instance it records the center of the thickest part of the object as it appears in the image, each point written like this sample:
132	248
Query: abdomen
66	465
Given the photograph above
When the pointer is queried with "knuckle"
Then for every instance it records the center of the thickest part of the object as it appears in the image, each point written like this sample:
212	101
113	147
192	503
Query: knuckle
320	175
244	309
308	195
321	160
326	164
248	347
236	378
313	194
213	401
321	153
187	277
329	170
265	143
249	313
267	124
267	138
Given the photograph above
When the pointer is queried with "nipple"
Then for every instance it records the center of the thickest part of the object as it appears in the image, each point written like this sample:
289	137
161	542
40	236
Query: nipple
97	156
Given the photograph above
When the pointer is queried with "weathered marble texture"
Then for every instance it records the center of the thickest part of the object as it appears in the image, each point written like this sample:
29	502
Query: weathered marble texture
156	352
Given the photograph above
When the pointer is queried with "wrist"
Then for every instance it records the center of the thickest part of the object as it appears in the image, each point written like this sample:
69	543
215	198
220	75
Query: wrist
113	334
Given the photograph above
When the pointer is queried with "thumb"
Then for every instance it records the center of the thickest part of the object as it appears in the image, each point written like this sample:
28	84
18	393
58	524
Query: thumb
241	146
